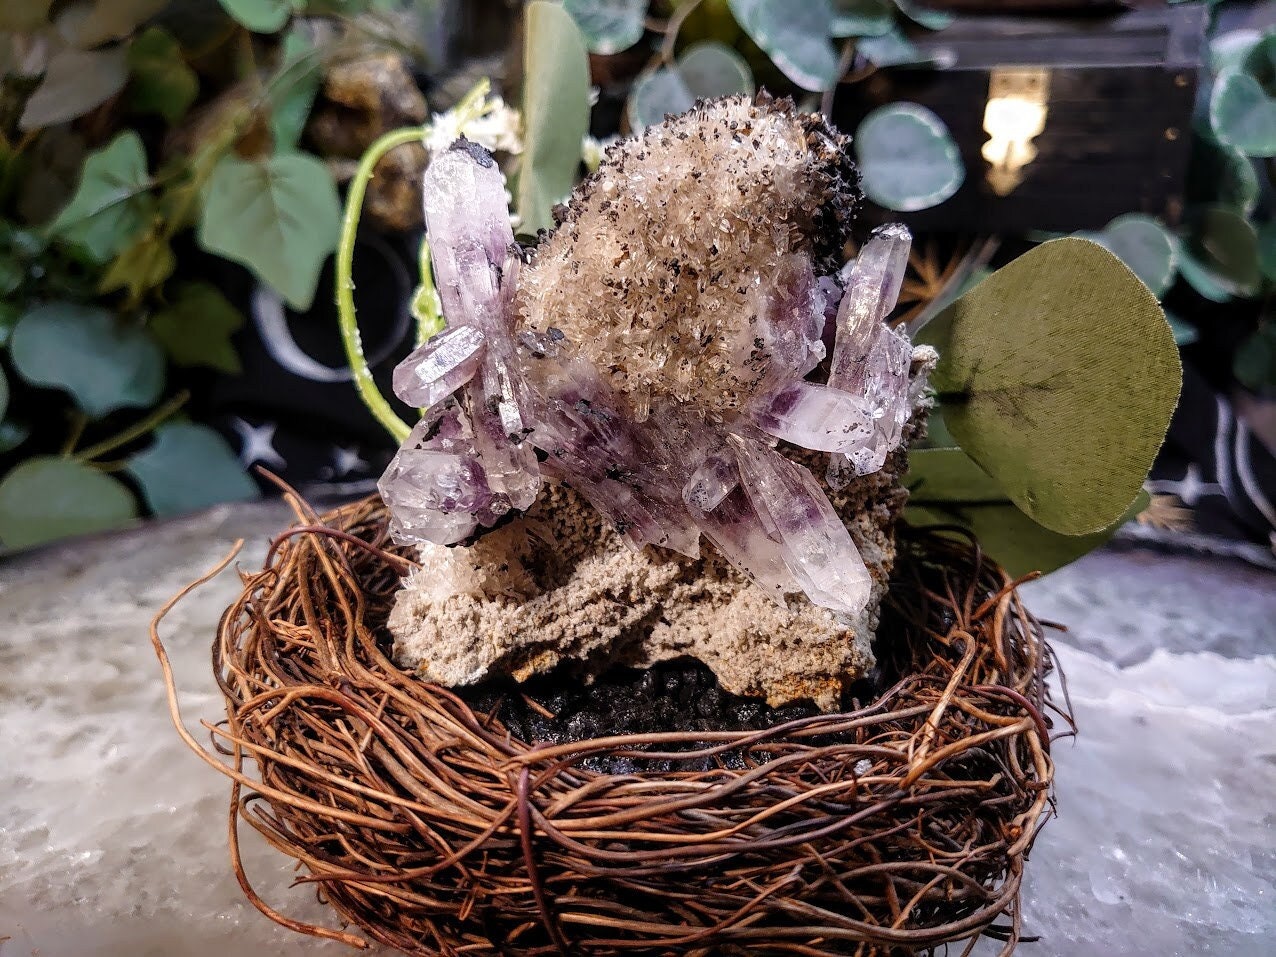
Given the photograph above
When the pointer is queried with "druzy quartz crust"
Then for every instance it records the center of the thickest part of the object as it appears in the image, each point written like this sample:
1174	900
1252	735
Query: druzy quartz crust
663	351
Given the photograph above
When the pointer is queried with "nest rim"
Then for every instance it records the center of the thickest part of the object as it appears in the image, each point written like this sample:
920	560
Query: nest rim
434	831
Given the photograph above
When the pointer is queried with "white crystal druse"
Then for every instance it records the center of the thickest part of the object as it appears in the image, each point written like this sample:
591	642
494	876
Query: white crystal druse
656	349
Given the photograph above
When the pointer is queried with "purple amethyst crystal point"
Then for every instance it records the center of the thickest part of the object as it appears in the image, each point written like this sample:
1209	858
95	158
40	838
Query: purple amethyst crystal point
869	359
434	485
710	483
438	368
794	511
817	417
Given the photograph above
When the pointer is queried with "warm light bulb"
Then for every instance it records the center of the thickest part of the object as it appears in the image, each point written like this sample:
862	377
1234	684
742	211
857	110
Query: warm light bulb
1016	112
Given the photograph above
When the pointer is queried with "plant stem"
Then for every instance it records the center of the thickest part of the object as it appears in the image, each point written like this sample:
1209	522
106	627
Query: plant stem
135	431
346	317
425	301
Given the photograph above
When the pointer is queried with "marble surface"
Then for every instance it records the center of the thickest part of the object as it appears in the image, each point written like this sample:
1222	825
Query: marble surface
113	836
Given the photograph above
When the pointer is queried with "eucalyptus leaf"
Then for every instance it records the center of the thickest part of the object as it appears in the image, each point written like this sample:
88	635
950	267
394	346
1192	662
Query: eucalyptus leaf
1146	246
1227	51
278	216
196	326
44	499
1197	275
907	158
12	435
712	69
924	16
1184	332
90	23
160	80
189	467
75	82
1266	236
1058	375
86	351
1243	115
555	111
1222	174
608	26
795	34
260	16
655	95
892	48
1255	362
1225	245
862	18
112	204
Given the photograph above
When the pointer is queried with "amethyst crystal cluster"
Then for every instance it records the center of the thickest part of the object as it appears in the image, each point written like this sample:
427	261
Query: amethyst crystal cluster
655	351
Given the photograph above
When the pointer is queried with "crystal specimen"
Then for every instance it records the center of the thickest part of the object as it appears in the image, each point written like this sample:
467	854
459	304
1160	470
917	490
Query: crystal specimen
651	351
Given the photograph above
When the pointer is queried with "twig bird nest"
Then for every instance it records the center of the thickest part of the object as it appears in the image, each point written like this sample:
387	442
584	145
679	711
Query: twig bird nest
494	821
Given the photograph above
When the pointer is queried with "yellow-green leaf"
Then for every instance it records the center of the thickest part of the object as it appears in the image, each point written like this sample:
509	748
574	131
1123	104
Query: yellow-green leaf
140	268
1058	375
160	81
196	326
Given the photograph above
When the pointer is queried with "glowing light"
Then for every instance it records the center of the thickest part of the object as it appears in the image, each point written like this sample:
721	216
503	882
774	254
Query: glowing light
1015	114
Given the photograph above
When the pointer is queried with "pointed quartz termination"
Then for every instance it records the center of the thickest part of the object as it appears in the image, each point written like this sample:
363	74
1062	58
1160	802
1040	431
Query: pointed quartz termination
870	360
709	484
794	511
435	370
818	417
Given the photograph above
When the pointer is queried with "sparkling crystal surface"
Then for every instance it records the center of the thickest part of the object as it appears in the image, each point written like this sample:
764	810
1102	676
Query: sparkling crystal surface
653	350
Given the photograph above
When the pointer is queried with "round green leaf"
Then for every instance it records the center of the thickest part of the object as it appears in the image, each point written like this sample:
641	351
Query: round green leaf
84	350
795	35
1225	246
13	434
660	93
1200	278
196	326
279	217
861	18
75	82
112	205
555	111
907	158
608	26
1266	235
190	467
948	488
713	69
1184	333
1229	50
260	16
1255	362
44	499
1147	247
1222	174
1243	115
1058	375
161	82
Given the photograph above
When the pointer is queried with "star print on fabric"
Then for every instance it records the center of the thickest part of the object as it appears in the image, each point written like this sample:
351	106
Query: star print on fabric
347	460
258	444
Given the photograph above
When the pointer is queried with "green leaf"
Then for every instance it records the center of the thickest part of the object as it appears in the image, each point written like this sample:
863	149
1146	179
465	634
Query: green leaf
1058	375
1200	278
1222	174
161	81
1146	246
4	393
112	204
278	216
655	95
555	111
795	35
91	23
1255	362
1184	333
1229	50
195	328
1266	236
260	16
140	268
713	69
608	26
44	499
1225	246
293	90
12	272
190	467
892	48
861	18
10	313
12	434
923	16
907	158
85	351
75	82
950	489
1243	115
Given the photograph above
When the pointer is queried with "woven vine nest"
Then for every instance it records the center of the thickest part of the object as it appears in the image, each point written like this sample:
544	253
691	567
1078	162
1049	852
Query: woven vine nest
897	826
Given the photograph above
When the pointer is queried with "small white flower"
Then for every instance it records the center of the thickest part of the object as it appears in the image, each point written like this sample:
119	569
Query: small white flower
495	128
592	150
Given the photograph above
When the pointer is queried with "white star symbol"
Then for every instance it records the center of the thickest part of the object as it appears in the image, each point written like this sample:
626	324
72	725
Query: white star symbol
1189	488
258	444
346	461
